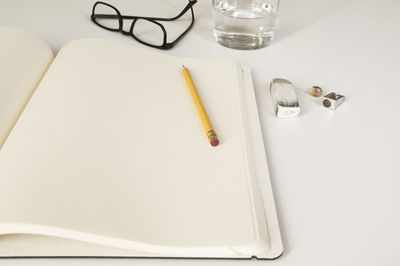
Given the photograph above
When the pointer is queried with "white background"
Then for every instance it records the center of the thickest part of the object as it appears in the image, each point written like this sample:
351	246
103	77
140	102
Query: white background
335	174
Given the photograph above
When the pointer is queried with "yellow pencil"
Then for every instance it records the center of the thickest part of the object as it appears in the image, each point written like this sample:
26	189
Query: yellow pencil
212	137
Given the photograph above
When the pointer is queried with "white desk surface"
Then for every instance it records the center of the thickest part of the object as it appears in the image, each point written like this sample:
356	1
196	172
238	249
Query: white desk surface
335	174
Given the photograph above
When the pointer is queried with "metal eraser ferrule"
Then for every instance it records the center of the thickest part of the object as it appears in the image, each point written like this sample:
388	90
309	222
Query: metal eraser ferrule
284	98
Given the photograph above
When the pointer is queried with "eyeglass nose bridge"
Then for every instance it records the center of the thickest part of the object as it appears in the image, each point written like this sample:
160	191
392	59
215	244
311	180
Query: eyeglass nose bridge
130	31
124	32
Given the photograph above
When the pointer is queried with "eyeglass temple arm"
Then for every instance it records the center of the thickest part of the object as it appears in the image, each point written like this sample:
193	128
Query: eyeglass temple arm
183	34
188	6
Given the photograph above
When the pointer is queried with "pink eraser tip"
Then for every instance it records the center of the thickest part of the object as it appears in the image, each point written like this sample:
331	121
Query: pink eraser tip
214	142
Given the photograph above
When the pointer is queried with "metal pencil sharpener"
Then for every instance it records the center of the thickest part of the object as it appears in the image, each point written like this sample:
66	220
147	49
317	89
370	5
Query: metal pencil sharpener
332	100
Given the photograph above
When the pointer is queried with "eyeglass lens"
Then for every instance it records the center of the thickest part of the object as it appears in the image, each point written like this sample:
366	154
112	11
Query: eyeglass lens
106	16
148	31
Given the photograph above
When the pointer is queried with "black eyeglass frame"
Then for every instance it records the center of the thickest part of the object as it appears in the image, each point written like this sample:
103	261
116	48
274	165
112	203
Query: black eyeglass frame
165	45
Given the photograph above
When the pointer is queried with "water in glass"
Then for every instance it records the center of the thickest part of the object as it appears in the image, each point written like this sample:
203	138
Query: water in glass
242	24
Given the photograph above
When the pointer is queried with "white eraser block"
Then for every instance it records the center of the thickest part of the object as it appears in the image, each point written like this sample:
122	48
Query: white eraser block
284	98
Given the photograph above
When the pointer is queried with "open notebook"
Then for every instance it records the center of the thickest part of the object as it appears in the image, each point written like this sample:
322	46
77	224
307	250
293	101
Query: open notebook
103	154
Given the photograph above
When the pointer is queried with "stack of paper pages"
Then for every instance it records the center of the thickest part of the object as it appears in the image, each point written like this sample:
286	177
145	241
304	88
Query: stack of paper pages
103	154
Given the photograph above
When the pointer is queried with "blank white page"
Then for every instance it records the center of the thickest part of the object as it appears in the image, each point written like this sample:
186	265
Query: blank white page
24	59
110	150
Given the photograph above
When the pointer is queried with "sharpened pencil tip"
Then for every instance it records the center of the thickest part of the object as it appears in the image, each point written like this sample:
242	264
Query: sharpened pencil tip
183	66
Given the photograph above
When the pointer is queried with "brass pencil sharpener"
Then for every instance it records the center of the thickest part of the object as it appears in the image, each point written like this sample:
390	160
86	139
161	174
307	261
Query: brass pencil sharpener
332	100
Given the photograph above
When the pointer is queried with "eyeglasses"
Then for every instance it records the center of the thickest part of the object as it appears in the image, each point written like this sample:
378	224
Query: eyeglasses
109	18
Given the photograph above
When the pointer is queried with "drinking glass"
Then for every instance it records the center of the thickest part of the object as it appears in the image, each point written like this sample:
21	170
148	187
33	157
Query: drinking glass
244	24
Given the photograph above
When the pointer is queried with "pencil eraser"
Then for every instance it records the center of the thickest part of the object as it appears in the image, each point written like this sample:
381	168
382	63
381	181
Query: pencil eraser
214	142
